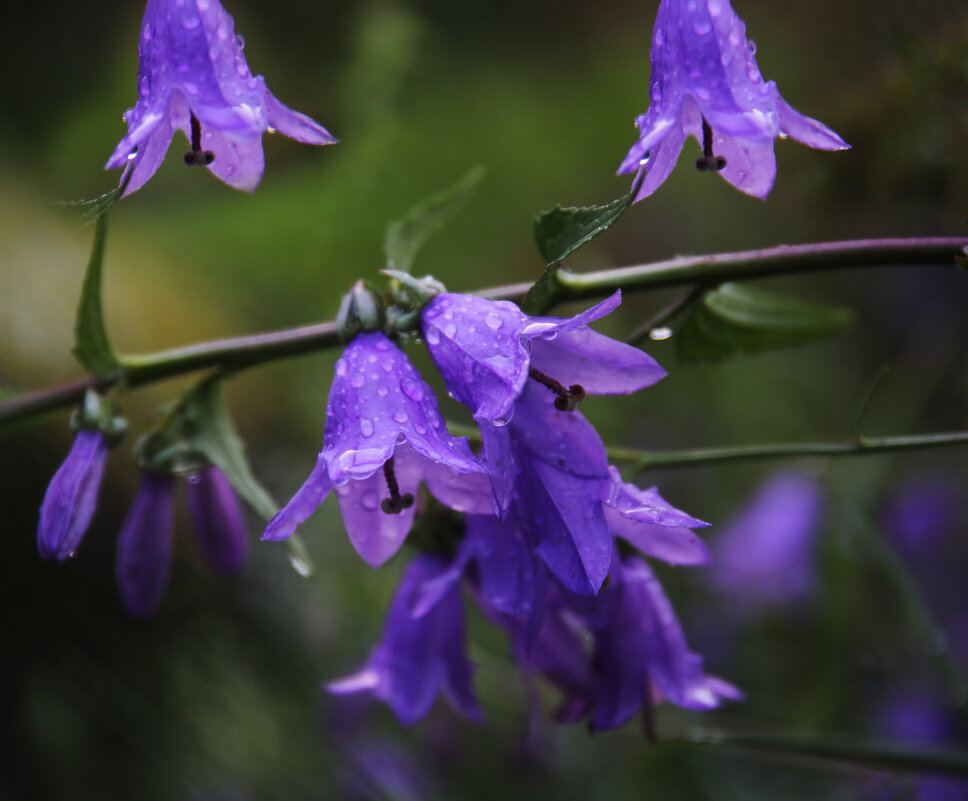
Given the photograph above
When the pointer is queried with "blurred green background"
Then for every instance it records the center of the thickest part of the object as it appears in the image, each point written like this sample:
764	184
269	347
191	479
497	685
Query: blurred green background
219	696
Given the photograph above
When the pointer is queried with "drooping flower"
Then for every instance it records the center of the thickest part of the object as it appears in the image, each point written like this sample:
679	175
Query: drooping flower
145	545
218	520
71	496
705	83
418	655
764	556
489	351
384	435
193	76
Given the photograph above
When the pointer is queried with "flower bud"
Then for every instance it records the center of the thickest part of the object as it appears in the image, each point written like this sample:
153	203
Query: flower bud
145	545
218	520
360	310
71	496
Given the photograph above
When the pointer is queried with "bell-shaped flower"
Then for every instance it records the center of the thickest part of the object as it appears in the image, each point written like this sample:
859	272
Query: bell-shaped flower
218	520
418	655
643	519
640	647
489	351
193	76
384	435
145	546
705	83
71	496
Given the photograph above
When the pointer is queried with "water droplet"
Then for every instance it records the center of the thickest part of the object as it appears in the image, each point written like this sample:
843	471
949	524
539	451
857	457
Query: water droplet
366	427
661	333
701	26
190	22
412	389
241	42
702	93
191	88
401	416
194	478
493	322
382	344
383	390
752	48
369	500
301	567
450	331
433	335
783	135
341	367
420	429
387	365
358	380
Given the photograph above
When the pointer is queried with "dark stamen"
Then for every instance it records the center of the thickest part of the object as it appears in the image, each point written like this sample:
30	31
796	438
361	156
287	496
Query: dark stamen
396	503
708	160
196	157
568	397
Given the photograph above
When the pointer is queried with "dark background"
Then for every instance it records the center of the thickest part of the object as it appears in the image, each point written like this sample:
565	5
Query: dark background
218	697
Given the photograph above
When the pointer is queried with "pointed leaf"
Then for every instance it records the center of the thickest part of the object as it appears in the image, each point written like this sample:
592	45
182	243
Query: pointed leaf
734	319
543	293
92	348
214	435
406	236
561	231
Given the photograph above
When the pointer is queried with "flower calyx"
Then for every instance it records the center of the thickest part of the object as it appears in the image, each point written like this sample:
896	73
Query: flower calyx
361	310
97	413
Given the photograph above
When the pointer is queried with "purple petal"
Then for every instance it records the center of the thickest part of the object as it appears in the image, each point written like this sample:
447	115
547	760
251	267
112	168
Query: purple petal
147	160
750	166
671	544
218	520
661	161
375	534
306	501
499	460
765	554
807	130
71	497
378	399
145	545
295	124
469	493
504	562
239	162
646	506
477	347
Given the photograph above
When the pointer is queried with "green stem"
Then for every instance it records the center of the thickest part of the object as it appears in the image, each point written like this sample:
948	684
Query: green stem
240	352
864	446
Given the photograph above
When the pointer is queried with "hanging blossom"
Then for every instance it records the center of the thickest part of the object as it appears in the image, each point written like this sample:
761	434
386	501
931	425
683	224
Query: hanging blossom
192	75
384	435
705	83
488	352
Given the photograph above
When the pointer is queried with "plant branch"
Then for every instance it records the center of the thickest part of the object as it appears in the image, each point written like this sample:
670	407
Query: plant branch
247	351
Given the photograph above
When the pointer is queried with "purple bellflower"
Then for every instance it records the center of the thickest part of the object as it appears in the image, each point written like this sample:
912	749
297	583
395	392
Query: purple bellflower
145	545
488	352
705	83
218	520
71	496
764	556
193	76
384	435
418	656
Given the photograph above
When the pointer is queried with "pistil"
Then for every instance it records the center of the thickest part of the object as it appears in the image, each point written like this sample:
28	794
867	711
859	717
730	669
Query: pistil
709	161
196	157
396	503
568	397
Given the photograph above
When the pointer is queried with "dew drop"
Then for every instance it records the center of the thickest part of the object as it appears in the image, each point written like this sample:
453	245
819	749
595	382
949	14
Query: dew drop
412	389
190	22
493	322
701	26
383	390
433	336
366	427
341	367
401	416
369	500
450	331
301	567
660	334
358	380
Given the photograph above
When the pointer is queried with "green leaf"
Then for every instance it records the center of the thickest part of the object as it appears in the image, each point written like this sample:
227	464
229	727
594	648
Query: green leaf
561	231
406	236
214	435
734	319
92	348
543	293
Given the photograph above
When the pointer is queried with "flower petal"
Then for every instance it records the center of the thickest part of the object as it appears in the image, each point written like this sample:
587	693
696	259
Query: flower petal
239	162
294	124
505	566
306	501
807	130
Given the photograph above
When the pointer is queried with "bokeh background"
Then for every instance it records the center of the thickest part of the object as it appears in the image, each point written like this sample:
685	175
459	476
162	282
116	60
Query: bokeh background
859	627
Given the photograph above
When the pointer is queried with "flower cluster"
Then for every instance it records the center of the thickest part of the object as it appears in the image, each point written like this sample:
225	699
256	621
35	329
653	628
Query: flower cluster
543	513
